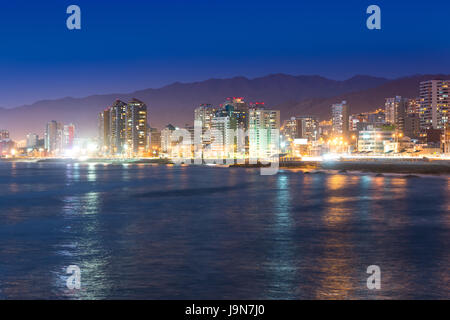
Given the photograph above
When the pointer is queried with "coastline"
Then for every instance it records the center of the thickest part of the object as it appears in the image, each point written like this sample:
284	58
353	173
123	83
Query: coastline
379	166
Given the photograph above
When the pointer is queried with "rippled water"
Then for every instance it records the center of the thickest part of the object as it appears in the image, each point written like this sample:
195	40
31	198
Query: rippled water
151	232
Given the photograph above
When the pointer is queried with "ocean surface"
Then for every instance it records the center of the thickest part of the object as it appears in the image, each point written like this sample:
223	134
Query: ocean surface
169	232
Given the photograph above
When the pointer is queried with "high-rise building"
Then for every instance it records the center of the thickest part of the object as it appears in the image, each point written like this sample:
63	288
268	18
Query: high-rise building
154	141
166	138
68	136
204	115
104	130
434	104
264	133
396	110
340	119
304	127
307	128
136	126
237	109
118	115
223	138
289	129
53	138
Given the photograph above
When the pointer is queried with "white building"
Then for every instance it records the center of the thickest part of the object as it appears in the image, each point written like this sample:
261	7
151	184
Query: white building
264	133
376	140
32	140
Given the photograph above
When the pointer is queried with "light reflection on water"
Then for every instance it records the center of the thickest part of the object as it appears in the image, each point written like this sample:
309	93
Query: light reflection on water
140	231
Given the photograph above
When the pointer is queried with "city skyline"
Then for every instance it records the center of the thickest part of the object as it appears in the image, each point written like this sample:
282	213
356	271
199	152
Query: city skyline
237	129
284	92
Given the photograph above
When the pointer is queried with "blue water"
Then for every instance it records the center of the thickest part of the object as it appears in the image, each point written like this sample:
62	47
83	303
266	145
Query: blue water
154	232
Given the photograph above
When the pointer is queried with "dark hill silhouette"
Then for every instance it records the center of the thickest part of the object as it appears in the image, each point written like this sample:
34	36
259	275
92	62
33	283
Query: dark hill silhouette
175	103
293	95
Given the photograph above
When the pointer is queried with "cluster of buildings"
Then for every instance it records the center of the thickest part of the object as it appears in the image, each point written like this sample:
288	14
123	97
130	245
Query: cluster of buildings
236	129
418	125
58	140
232	130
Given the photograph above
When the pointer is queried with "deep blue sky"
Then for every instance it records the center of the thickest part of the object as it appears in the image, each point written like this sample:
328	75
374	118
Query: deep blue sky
128	45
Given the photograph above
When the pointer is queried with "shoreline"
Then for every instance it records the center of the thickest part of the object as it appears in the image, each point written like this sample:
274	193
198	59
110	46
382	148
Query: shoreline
377	166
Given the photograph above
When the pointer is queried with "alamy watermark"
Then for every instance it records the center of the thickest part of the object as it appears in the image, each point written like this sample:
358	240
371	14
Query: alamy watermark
73	22
374	20
74	280
374	280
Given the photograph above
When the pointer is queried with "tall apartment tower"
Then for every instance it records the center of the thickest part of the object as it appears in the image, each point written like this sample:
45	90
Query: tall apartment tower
166	138
118	115
104	130
53	137
204	115
434	104
307	128
154	141
136	126
68	136
340	118
396	111
237	109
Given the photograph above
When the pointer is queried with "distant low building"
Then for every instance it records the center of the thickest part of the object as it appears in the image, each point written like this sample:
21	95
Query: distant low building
446	140
6	147
4	134
32	140
396	110
412	126
376	140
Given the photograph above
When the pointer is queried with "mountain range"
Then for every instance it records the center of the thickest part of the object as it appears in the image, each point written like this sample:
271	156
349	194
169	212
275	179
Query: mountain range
174	103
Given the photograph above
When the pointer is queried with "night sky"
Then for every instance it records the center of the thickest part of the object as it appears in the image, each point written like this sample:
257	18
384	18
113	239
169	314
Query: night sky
129	45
